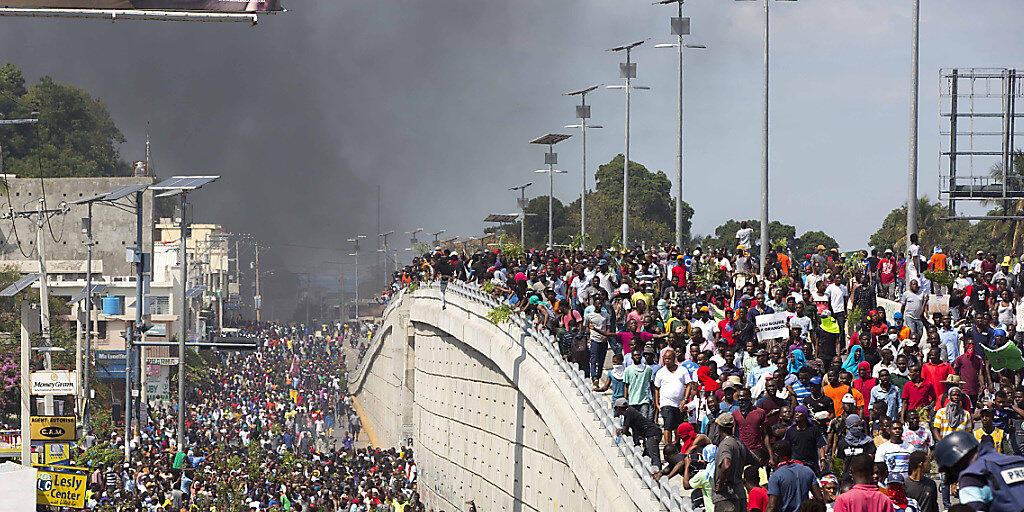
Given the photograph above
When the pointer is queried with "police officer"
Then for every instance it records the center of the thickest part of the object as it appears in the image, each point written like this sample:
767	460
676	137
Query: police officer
988	480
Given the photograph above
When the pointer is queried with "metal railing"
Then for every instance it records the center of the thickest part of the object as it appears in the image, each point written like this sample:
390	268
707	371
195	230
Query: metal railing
669	498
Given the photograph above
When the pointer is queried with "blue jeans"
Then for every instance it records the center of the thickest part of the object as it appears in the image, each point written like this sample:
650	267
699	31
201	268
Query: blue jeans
598	351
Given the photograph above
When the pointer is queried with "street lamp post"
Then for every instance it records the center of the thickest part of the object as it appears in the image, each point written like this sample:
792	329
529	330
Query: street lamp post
912	170
522	207
680	27
627	70
355	253
384	249
180	186
550	158
764	142
583	113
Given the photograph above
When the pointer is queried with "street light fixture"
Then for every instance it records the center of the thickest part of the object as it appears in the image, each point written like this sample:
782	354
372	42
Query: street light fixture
550	158
627	70
436	234
764	142
680	27
355	252
522	208
181	186
583	113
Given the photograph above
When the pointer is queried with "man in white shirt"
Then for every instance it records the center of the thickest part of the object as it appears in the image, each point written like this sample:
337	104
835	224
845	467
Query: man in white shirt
706	324
837	303
743	235
670	385
606	277
895	452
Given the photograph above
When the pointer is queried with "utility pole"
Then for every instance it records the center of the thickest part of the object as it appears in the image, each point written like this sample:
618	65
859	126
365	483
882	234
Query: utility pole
132	393
257	299
86	367
44	294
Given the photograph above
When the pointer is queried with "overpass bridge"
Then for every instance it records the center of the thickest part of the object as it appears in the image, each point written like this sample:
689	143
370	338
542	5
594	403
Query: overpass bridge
493	413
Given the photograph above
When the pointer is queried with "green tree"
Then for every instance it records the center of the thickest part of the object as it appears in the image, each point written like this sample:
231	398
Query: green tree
932	230
537	223
725	234
809	241
651	206
75	135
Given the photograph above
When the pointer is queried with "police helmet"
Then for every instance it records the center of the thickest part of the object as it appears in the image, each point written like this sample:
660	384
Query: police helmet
953	448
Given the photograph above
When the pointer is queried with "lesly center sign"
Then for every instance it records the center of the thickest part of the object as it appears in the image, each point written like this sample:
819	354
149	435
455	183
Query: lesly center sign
57	382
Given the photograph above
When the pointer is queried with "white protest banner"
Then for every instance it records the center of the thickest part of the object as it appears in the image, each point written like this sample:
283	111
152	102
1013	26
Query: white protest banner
772	325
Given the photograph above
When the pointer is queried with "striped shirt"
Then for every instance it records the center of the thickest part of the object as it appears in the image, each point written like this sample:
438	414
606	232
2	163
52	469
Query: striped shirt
941	423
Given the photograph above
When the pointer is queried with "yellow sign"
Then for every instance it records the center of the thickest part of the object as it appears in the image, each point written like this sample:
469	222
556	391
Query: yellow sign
56	453
53	428
294	395
60	489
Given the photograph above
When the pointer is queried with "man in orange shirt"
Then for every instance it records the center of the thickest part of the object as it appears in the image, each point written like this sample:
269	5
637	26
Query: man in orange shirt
783	262
938	260
839	387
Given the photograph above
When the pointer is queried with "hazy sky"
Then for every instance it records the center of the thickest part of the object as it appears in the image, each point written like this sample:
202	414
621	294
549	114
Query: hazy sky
305	114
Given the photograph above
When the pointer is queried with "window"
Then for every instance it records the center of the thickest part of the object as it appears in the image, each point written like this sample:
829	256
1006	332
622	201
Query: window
160	306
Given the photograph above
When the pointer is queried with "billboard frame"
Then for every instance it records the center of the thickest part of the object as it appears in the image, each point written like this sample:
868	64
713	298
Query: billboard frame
135	14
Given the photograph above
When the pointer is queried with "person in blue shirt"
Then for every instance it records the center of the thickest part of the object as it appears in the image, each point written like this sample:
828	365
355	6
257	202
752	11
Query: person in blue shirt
615	378
790	482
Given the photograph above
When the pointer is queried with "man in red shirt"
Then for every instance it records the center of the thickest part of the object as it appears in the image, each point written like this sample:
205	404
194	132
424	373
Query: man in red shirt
887	275
916	392
935	371
865	496
679	274
750	425
757	497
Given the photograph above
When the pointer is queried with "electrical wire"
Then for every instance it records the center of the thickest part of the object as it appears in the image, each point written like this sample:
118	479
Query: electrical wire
42	187
10	208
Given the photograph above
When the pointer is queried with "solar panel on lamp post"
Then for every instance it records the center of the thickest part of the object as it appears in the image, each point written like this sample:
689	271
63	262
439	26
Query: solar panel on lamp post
550	158
764	141
583	113
180	186
680	27
627	70
84	359
522	208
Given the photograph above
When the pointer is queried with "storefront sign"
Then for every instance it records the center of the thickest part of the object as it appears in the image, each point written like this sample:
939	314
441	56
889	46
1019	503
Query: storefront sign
55	382
53	428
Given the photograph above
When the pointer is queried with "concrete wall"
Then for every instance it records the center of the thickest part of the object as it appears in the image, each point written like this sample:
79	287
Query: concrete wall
492	419
113	229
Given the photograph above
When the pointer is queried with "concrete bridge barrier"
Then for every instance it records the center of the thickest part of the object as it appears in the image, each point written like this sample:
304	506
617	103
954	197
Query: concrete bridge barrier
493	413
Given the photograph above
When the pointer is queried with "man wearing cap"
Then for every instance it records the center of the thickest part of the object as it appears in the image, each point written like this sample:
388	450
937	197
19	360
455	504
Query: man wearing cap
987	480
730	495
642	429
887	275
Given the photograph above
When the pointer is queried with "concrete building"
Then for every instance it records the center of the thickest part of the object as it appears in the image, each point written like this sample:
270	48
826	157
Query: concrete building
114	232
208	251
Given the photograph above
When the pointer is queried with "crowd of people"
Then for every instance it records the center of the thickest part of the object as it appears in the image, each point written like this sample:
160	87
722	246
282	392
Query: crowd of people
858	381
271	430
